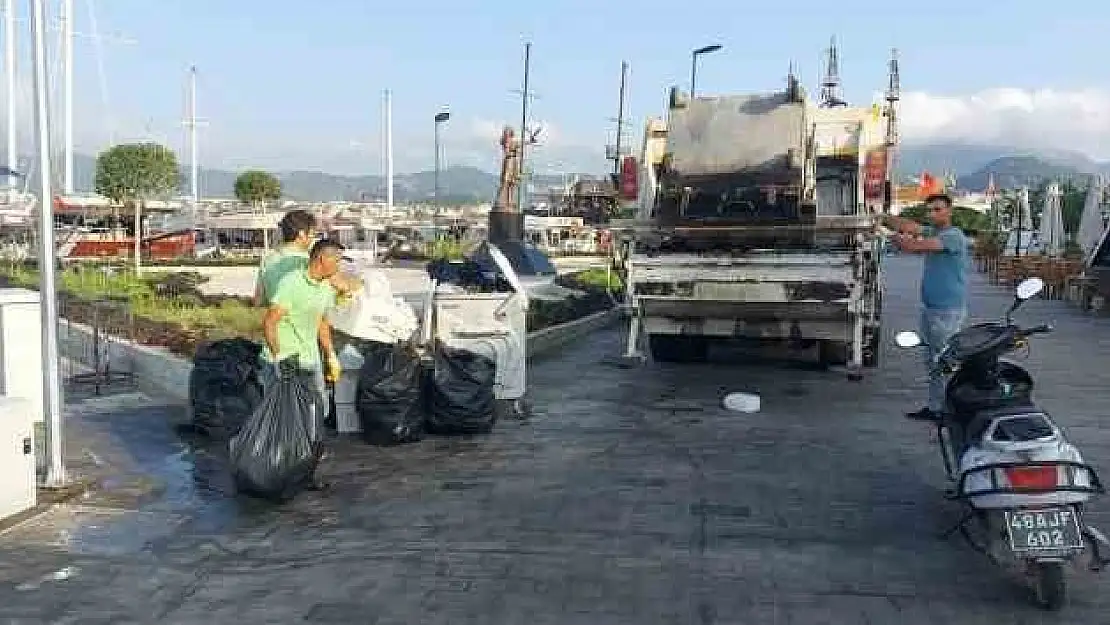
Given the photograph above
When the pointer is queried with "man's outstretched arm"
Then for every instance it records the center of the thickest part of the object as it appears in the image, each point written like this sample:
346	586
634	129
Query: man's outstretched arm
902	225
920	246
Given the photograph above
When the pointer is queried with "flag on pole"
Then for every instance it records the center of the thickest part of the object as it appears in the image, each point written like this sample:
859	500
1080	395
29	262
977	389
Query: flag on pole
929	185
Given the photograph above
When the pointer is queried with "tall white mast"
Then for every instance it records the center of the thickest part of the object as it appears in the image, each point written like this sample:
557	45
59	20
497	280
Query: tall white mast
67	18
9	73
389	151
193	171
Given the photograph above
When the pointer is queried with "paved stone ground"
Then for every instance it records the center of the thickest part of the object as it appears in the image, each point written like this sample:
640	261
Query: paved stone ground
631	498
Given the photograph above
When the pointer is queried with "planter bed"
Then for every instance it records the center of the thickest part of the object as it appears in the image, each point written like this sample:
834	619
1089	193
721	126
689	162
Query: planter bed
169	311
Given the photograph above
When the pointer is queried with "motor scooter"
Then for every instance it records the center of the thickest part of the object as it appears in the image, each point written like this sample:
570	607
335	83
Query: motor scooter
1021	484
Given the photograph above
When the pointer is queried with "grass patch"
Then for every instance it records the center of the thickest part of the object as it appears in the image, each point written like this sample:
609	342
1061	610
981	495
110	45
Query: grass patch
599	278
163	309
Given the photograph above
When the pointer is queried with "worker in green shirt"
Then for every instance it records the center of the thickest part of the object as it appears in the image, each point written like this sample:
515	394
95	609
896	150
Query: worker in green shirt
298	231
295	328
294	324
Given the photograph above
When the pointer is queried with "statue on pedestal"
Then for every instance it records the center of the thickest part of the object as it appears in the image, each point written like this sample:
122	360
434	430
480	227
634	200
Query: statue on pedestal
510	172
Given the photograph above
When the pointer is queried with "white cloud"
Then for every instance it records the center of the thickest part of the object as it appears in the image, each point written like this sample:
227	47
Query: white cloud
1046	119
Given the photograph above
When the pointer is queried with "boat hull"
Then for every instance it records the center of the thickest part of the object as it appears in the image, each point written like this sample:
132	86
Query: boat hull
165	247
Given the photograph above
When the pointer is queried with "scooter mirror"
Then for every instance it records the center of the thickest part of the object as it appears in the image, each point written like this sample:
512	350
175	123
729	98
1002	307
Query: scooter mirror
907	339
1029	287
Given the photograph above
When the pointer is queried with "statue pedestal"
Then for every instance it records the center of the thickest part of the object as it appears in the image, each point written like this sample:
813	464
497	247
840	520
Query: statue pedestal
505	226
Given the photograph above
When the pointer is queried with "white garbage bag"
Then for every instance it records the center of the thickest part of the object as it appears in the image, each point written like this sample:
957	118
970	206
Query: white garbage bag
375	284
374	313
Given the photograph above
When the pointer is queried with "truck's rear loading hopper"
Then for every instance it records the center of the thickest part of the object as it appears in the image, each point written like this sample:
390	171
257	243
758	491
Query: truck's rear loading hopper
761	137
736	161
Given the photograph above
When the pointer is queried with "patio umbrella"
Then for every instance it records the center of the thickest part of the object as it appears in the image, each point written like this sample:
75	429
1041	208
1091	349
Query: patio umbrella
1091	226
1052	222
1022	224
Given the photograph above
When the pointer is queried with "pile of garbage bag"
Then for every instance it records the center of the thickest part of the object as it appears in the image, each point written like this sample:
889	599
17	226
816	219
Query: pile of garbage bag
399	396
224	386
274	455
460	391
389	398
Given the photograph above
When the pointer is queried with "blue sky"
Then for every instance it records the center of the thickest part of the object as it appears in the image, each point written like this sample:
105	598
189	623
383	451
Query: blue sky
284	85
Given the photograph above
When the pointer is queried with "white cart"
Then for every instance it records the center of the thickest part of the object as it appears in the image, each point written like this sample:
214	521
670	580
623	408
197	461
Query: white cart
494	325
491	324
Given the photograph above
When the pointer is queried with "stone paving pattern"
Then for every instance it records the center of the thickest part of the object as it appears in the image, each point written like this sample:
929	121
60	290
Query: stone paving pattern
631	498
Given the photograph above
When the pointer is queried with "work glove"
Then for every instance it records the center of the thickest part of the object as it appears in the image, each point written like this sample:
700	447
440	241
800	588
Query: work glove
346	290
332	369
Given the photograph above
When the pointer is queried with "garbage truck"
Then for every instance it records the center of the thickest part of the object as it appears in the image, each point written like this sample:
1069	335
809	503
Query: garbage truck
756	224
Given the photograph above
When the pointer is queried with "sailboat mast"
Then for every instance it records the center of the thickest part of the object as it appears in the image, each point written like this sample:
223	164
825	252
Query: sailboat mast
389	151
67	68
194	178
9	73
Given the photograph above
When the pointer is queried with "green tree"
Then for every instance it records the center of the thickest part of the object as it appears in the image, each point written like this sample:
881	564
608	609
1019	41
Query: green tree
257	187
129	174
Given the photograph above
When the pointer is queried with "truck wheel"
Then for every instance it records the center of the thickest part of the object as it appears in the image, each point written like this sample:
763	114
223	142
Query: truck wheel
833	353
678	348
872	346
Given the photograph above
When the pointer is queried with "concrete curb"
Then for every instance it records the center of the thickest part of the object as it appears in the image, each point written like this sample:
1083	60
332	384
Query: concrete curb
160	372
542	342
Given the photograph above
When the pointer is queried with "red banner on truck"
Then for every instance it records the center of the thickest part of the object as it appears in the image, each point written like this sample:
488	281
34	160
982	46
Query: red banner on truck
630	179
874	174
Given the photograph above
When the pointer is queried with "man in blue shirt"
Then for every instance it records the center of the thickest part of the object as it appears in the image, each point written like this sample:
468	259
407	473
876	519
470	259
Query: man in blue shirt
943	285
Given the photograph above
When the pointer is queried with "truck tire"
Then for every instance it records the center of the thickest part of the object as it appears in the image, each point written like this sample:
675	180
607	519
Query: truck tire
678	348
833	353
872	346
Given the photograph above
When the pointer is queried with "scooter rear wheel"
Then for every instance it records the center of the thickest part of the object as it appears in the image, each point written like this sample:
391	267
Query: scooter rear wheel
1050	585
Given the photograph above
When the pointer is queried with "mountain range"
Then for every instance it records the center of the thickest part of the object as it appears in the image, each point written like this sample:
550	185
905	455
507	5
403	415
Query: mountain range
972	165
457	184
1011	167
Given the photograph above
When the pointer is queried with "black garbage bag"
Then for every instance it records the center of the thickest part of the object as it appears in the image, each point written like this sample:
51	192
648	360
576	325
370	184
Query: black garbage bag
389	398
274	455
461	392
224	386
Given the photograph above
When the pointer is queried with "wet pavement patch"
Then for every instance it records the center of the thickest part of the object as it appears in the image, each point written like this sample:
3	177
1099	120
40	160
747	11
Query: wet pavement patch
92	531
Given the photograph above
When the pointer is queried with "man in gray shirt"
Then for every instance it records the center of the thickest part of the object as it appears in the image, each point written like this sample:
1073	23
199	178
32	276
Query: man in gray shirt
943	285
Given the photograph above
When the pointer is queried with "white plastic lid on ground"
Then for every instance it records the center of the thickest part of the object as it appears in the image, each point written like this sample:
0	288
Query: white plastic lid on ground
742	402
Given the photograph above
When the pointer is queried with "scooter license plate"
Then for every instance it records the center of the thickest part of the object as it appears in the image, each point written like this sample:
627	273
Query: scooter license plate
1044	529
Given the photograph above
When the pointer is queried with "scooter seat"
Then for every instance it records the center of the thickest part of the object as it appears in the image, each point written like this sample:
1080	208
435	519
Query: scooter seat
1013	429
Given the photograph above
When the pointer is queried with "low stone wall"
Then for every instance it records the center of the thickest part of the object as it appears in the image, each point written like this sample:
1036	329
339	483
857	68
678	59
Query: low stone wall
160	372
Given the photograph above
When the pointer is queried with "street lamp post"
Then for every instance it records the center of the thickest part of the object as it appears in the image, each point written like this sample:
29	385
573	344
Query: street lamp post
694	64
520	189
440	119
